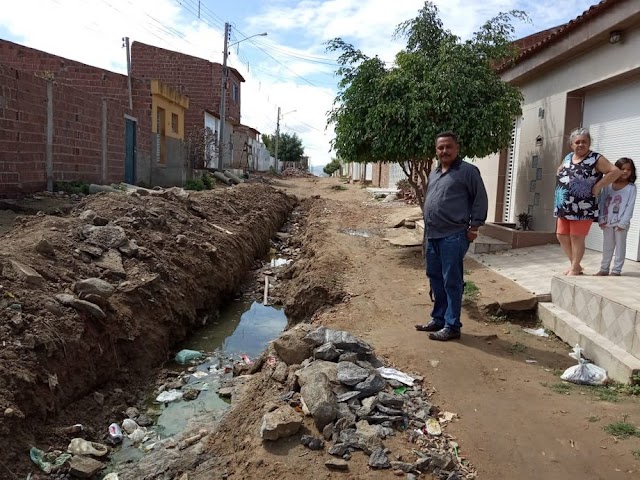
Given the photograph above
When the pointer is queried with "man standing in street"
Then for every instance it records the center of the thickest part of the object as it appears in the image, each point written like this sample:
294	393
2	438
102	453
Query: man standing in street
454	208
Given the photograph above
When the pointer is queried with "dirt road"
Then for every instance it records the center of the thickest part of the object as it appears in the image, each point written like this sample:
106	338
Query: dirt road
517	420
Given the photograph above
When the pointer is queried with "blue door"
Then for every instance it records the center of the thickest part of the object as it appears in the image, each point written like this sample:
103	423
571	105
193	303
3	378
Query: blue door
130	152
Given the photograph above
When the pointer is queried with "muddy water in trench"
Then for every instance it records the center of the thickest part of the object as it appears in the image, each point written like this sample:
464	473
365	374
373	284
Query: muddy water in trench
245	327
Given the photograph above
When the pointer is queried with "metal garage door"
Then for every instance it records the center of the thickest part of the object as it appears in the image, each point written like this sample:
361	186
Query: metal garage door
613	119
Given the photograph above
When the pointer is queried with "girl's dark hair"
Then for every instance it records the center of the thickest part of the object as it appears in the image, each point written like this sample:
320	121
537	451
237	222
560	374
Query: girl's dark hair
628	161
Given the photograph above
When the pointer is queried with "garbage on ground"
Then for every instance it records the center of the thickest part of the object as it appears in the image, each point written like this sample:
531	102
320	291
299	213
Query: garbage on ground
169	396
538	332
186	356
138	435
115	434
111	476
199	374
80	446
531	361
246	359
447	416
400	390
584	373
392	373
433	427
77	428
48	462
129	425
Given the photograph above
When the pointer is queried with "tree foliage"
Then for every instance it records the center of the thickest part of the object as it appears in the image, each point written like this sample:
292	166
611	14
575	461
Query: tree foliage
438	82
290	147
332	167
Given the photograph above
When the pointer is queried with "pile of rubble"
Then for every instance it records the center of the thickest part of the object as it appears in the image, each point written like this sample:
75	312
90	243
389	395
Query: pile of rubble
356	403
296	172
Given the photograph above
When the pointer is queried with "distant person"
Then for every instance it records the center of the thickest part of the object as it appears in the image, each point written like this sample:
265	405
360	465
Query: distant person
581	176
454	208
616	210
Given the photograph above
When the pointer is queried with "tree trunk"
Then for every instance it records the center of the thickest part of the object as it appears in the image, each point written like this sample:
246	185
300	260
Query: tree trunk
417	172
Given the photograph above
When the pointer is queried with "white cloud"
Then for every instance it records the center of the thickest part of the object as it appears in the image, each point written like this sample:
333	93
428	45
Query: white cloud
91	32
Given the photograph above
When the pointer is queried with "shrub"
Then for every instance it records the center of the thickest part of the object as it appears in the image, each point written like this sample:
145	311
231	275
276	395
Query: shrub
197	185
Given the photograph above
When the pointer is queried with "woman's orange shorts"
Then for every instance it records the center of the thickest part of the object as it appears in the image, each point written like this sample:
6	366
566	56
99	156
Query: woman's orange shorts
579	228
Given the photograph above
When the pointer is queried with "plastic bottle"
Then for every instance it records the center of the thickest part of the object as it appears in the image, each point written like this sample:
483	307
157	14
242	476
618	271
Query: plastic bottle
115	433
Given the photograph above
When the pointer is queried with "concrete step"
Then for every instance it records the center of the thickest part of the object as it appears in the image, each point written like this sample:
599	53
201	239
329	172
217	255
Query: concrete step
484	244
608	305
619	363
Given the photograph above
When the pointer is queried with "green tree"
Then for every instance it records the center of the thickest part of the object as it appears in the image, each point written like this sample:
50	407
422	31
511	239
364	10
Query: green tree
290	147
332	167
438	82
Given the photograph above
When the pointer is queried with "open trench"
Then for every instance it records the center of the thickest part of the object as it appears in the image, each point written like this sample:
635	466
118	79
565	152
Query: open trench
175	263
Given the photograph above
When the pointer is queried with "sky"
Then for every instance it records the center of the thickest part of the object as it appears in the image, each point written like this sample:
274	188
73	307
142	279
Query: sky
289	68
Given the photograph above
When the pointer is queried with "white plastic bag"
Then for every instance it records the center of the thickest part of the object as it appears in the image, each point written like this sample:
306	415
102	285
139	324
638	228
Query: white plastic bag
584	373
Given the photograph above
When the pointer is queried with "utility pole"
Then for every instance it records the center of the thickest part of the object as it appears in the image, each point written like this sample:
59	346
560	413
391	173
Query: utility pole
223	97
126	45
277	137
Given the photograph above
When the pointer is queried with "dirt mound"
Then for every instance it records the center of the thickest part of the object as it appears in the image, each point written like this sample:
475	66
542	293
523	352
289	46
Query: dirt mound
296	172
169	258
315	278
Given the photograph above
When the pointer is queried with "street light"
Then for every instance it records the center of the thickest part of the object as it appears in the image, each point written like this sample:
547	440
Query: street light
278	132
223	91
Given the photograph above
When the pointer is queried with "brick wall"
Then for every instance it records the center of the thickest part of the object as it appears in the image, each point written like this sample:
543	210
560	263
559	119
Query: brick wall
77	134
96	81
380	175
195	77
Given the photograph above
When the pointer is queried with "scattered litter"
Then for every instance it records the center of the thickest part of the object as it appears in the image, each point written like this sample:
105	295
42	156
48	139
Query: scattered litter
200	374
447	416
48	462
115	434
584	373
246	359
433	427
538	332
169	396
400	390
80	446
271	360
531	361
111	476
434	363
392	373
186	356
138	435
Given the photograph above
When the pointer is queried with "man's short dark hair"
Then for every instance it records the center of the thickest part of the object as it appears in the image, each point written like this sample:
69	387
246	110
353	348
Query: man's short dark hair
448	134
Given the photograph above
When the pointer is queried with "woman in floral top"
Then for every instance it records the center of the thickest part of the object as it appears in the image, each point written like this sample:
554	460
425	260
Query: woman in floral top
581	176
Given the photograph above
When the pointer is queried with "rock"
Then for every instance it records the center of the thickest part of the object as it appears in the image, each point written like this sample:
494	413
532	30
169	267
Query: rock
340	339
280	423
84	467
388	410
348	357
182	240
368	404
369	437
312	443
44	247
351	374
24	273
282	235
344	424
99	398
106	237
327	431
345	412
388	419
338	449
111	261
191	394
87	216
443	462
291	346
225	392
366	365
372	385
453	476
336	464
326	351
9	412
132	412
94	252
345	397
100	301
280	373
423	465
95	188
309	372
94	286
403	466
100	221
81	305
411	476
144	421
129	249
320	400
390	400
378	459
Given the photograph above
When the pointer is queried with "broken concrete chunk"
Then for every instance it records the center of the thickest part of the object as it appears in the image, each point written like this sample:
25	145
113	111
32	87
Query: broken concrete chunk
280	423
